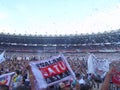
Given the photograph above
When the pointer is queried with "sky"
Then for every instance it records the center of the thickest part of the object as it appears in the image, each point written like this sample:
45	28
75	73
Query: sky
56	17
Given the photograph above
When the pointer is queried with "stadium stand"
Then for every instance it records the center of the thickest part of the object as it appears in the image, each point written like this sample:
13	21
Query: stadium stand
23	48
107	41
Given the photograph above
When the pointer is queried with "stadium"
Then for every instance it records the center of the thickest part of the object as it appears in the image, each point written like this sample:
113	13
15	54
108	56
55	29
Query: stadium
60	45
107	42
77	47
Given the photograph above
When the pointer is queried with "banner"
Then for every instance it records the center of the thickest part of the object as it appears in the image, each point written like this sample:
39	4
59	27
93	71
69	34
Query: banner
116	72
51	71
116	78
90	64
97	66
6	78
2	57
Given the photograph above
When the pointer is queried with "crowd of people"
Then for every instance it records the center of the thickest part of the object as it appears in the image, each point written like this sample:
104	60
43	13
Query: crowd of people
78	63
76	43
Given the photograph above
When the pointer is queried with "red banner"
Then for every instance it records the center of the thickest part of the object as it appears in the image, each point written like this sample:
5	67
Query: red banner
55	69
116	78
51	71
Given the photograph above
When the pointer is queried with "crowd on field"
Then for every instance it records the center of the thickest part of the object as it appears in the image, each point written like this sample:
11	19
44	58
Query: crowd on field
78	63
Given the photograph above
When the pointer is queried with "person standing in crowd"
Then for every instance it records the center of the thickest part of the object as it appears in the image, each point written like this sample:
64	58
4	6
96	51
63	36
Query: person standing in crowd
75	84
18	80
22	88
4	87
106	83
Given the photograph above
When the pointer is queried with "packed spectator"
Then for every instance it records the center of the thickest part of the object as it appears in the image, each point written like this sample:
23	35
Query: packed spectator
23	49
78	63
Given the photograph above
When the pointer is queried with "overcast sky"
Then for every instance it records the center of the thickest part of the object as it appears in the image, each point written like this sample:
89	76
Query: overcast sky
59	16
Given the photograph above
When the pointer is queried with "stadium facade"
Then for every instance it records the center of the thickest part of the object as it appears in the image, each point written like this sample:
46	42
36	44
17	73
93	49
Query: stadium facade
100	42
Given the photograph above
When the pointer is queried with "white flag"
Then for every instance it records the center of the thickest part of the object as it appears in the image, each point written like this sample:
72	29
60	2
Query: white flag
6	78
2	57
97	66
51	71
90	64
